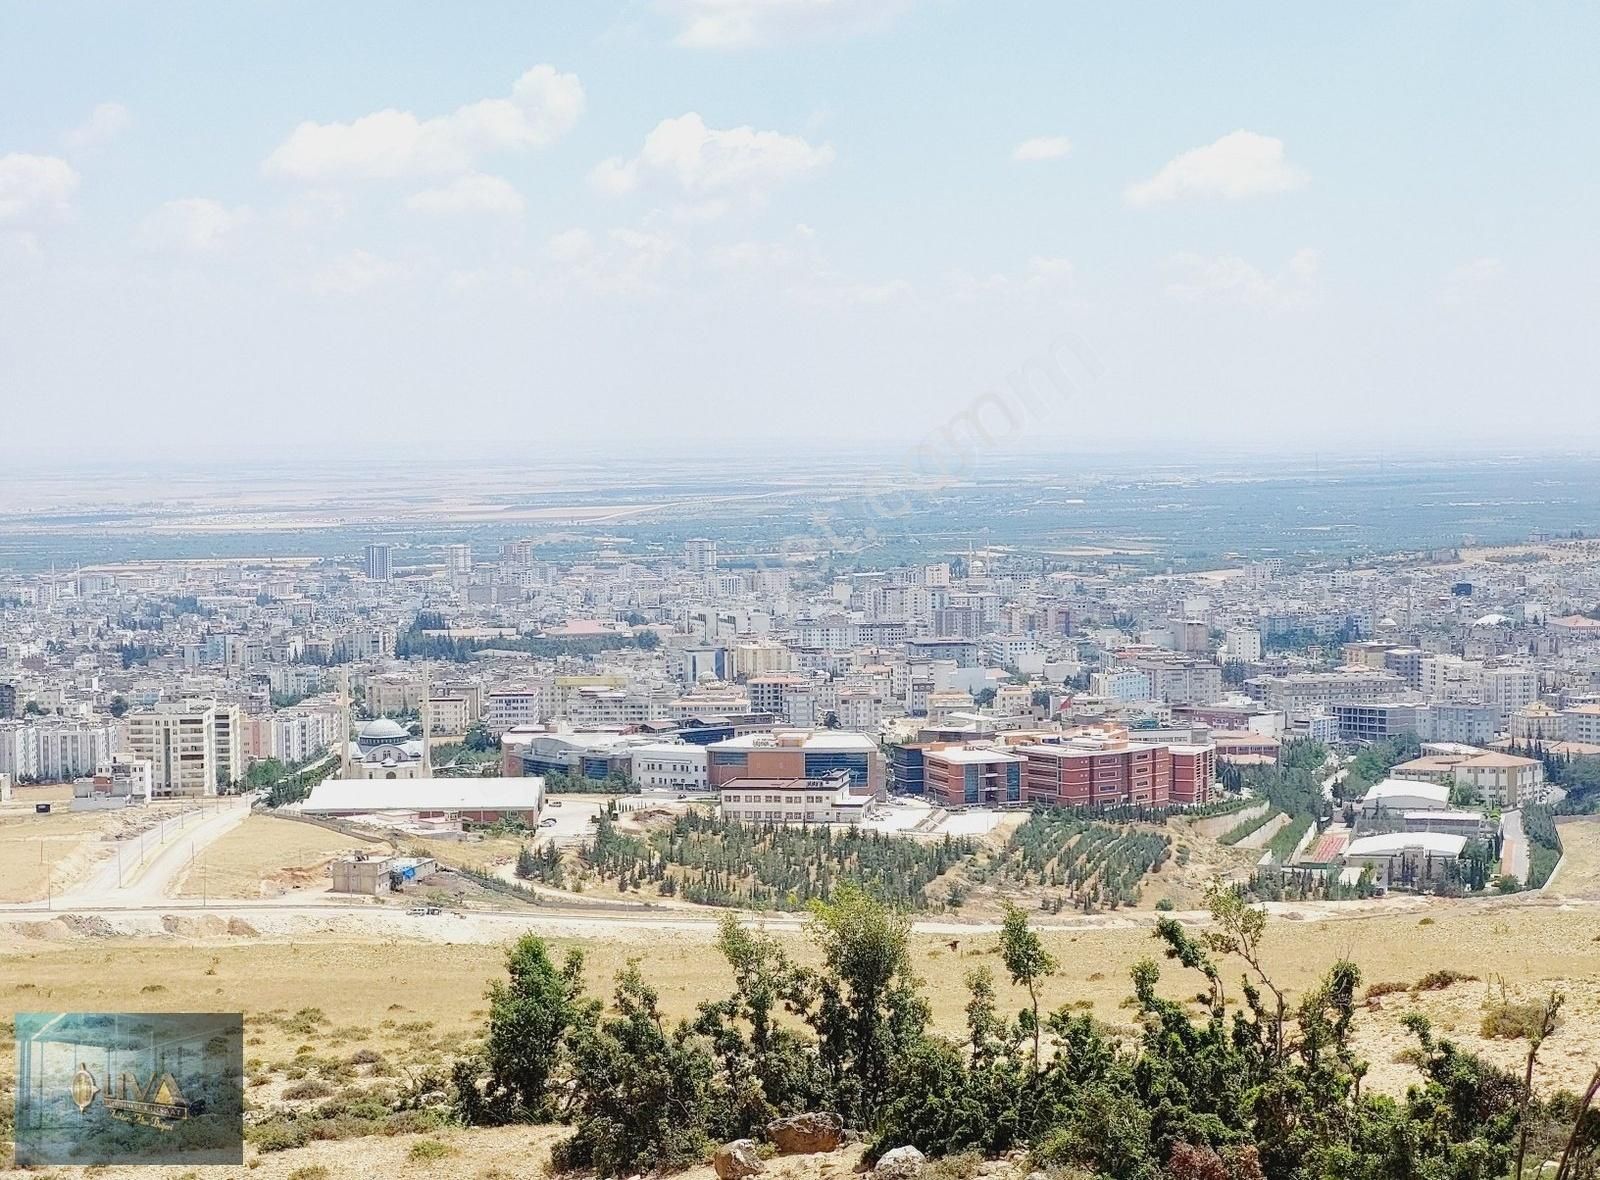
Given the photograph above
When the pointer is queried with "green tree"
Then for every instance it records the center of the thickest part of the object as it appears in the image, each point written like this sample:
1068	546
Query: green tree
531	1017
869	1008
1025	957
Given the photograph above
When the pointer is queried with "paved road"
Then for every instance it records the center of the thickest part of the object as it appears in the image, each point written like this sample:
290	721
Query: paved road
1514	852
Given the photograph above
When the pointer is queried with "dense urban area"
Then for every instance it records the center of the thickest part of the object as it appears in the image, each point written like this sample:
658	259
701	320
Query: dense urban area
453	744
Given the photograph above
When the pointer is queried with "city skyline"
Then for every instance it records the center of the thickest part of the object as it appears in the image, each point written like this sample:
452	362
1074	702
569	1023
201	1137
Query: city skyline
700	222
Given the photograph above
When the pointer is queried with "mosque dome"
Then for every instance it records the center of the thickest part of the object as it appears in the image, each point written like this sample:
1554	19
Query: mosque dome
382	732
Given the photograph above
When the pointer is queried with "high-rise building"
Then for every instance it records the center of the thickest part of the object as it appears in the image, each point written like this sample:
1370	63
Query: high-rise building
179	740
379	568
229	729
8	701
700	553
458	559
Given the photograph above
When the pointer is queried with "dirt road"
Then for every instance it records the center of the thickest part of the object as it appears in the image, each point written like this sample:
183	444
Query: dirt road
146	866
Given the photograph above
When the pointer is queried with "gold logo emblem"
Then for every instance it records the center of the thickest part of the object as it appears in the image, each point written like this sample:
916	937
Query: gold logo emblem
84	1087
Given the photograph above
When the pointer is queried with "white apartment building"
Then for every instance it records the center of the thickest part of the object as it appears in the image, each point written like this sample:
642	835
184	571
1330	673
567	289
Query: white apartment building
511	707
1243	643
179	740
228	724
1121	684
294	735
1509	689
1581	723
860	709
1013	700
1451	678
450	714
54	749
68	748
19	751
670	766
1503	780
1009	650
760	659
1307	692
602	708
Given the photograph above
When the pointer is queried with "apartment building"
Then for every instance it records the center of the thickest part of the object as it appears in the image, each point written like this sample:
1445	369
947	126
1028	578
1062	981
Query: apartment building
1176	679
69	747
508	708
1308	692
1503	780
179	740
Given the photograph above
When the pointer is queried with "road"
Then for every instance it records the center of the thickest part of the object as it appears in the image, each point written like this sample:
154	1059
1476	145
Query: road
1514	852
147	866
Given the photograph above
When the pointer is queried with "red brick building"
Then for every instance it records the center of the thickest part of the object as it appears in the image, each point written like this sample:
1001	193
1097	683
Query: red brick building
1107	770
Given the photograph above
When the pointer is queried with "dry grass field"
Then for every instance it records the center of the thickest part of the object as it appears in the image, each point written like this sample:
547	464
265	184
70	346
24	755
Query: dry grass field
488	1153
34	849
403	999
266	857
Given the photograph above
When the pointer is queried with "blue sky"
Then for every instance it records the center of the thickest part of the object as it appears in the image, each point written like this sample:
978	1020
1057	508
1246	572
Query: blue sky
245	228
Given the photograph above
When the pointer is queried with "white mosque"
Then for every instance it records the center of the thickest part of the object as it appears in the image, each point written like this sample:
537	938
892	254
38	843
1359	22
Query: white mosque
383	748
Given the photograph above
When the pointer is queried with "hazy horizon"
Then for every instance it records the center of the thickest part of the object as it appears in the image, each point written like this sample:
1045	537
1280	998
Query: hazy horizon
252	231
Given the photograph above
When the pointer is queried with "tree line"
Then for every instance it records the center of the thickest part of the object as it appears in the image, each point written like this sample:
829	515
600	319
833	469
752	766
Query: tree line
1252	1085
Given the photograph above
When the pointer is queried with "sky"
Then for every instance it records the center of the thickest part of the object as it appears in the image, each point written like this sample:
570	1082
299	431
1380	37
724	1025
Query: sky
246	230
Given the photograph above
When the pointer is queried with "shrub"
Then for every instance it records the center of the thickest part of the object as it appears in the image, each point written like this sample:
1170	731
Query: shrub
1438	981
309	1172
1386	988
1507	1021
278	1135
429	1150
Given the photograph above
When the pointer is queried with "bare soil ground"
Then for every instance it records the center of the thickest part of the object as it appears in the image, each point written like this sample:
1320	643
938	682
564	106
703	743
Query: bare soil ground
497	1153
43	854
266	857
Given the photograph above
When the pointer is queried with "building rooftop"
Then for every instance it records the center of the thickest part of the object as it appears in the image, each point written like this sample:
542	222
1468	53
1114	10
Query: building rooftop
425	794
1393	843
791	739
1391	788
973	755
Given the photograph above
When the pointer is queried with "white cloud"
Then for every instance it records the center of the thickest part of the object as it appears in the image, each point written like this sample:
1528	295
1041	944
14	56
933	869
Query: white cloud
473	193
544	105
1240	164
193	225
625	262
703	159
1228	278
741	24
354	273
35	188
1042	147
1041	275
1466	280
105	123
